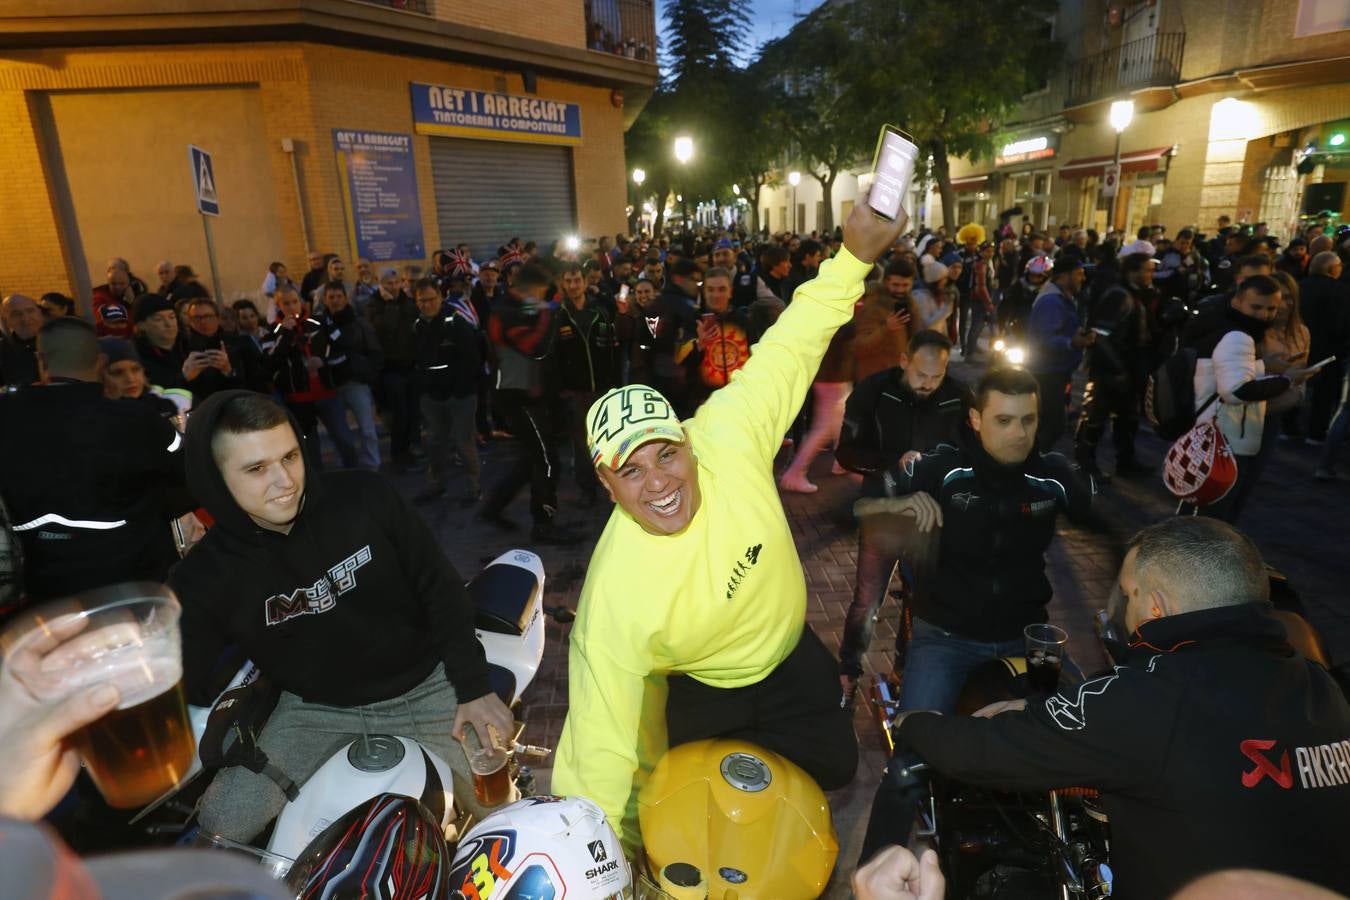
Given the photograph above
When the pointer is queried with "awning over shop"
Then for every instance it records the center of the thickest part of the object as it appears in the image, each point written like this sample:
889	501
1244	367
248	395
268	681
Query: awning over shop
969	183
1134	161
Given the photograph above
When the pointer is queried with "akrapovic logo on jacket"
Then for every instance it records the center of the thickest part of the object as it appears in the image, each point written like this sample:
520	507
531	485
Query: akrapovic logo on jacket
1318	766
322	595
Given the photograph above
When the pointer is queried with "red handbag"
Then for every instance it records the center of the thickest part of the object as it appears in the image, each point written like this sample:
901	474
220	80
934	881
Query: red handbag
1200	467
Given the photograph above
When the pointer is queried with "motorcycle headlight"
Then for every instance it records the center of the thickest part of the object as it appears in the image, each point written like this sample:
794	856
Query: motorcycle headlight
1016	355
1000	346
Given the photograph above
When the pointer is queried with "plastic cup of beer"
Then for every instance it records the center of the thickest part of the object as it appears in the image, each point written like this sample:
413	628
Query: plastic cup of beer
1046	646
125	635
491	776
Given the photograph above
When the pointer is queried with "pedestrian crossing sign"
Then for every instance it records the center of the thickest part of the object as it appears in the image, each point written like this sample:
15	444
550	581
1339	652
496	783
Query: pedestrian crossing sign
204	180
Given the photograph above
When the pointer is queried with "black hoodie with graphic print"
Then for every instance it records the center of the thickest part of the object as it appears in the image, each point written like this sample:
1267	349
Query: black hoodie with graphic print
357	604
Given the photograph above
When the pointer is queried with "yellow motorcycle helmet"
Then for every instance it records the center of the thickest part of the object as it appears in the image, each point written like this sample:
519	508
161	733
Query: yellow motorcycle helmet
752	823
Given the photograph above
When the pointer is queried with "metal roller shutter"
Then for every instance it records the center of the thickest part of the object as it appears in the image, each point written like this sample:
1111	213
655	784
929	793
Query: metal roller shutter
488	192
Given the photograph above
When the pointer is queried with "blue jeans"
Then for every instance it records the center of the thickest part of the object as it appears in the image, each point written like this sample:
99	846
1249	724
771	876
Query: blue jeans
938	663
357	397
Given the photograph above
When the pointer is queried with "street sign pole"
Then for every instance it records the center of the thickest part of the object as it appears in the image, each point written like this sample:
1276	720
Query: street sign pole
208	204
211	259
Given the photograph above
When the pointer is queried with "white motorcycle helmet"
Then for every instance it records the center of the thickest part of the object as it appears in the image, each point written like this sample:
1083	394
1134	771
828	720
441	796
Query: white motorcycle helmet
542	848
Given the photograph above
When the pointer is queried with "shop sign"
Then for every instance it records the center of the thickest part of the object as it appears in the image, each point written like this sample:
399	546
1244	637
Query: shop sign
379	193
459	112
1028	149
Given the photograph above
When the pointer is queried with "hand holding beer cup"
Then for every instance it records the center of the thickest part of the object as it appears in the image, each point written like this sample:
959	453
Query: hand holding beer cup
138	744
40	765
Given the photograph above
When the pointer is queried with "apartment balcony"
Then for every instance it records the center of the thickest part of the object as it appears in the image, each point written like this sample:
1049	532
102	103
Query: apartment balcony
623	27
1152	61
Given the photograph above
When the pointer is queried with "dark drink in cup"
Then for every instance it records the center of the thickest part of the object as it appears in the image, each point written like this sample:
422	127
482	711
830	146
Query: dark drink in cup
1046	646
1043	671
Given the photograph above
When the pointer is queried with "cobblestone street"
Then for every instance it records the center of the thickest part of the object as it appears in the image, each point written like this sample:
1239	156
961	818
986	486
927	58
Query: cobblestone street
1300	525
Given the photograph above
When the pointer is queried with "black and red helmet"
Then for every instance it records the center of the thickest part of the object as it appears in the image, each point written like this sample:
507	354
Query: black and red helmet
389	848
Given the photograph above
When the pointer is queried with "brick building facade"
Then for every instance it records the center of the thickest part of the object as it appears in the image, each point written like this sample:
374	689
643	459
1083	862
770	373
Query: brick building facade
1228	102
97	111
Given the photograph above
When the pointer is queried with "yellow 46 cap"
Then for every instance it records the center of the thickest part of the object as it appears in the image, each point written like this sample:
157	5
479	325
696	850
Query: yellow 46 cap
625	419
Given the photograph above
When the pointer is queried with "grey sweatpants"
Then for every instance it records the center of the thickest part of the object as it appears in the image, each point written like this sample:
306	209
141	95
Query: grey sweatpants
300	737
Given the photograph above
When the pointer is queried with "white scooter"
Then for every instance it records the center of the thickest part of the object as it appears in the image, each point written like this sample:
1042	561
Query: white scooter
507	597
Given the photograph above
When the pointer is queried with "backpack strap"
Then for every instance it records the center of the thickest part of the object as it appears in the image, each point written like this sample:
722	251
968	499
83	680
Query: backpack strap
1199	412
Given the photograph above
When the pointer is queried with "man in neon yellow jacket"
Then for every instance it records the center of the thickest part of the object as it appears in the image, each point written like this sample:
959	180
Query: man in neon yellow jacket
696	578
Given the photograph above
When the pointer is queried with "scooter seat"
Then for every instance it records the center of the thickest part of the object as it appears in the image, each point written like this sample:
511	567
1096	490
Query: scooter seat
503	598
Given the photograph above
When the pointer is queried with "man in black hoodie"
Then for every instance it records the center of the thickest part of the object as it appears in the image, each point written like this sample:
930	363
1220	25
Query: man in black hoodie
339	593
996	499
1214	744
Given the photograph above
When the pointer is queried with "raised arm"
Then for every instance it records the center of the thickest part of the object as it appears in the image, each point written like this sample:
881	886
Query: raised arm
764	396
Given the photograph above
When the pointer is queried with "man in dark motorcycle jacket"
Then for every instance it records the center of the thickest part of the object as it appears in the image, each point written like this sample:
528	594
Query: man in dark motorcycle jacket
1214	744
997	500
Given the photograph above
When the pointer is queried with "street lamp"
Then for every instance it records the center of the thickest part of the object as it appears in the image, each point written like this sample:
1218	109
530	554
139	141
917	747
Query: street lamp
794	179
684	151
736	188
1122	111
639	176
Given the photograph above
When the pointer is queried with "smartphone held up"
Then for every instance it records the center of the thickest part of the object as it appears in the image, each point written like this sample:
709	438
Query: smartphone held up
892	171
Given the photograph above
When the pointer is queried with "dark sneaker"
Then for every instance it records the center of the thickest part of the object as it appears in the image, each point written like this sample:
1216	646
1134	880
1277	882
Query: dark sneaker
470	499
848	691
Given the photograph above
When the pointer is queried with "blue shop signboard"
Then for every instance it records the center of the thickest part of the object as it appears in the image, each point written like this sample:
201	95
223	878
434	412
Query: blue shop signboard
379	193
485	115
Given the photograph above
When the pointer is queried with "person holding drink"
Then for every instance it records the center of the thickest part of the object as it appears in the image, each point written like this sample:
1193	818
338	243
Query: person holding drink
1213	743
116	650
338	592
996	499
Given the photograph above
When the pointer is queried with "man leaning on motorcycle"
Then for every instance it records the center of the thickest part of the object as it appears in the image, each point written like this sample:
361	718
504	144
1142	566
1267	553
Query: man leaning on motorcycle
341	596
1213	743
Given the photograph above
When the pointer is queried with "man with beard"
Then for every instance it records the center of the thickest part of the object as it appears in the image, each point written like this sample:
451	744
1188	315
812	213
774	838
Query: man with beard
1115	368
892	417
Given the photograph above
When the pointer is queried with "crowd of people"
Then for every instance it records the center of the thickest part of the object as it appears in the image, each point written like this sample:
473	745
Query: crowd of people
671	372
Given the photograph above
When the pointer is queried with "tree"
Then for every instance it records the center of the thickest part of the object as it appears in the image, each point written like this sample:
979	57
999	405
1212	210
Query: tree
647	146
948	80
756	141
829	116
703	39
